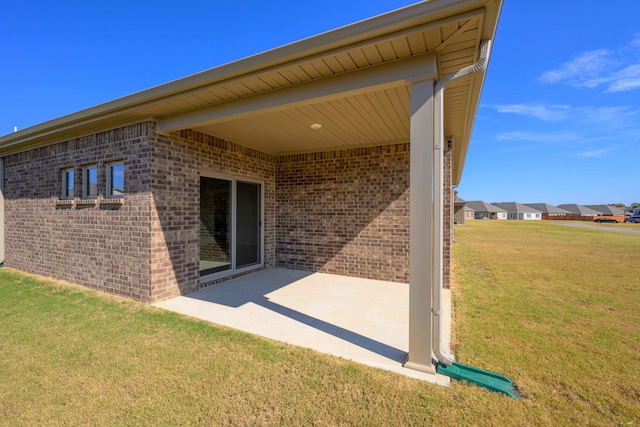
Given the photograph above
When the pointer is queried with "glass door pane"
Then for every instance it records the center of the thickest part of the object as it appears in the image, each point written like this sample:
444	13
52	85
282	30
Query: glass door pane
215	225
248	212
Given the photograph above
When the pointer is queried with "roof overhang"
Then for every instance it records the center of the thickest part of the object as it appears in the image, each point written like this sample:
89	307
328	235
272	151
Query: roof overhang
354	81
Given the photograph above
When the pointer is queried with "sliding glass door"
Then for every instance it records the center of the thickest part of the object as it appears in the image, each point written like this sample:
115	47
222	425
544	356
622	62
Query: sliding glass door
230	225
215	225
248	220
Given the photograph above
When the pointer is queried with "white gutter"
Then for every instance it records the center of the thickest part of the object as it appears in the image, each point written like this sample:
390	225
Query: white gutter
442	354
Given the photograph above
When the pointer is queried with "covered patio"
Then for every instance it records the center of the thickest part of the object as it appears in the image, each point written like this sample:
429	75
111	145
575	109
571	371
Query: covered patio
405	82
362	320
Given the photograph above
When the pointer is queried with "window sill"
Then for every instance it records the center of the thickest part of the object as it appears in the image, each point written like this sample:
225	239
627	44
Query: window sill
113	201
87	202
65	202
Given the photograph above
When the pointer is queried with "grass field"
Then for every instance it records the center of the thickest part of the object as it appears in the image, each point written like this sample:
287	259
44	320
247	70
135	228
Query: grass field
554	308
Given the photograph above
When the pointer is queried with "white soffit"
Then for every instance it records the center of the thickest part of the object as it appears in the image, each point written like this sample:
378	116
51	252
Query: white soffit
367	115
378	117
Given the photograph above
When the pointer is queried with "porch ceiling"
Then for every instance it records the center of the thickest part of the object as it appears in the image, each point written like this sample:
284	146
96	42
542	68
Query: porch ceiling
377	117
363	117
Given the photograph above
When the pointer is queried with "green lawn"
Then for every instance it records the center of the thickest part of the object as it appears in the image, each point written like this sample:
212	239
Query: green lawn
554	308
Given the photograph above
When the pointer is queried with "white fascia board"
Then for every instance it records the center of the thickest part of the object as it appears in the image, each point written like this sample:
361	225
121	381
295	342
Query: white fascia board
382	76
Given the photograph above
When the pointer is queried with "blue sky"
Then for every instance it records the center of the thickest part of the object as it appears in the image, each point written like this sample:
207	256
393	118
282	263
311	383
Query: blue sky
559	118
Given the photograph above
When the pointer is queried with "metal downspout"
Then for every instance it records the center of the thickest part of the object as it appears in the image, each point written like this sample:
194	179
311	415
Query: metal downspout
441	354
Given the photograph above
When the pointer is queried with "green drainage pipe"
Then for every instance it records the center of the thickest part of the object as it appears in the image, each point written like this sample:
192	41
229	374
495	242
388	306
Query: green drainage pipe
479	377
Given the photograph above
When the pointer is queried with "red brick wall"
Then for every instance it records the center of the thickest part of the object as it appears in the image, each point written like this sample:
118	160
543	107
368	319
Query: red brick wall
101	246
458	214
345	212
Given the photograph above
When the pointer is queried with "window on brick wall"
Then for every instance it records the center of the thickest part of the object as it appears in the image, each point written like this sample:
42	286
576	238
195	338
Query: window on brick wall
115	179
90	182
68	183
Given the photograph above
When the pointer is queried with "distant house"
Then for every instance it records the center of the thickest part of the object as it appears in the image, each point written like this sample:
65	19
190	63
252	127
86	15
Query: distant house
484	210
469	213
549	211
607	210
459	206
519	211
579	210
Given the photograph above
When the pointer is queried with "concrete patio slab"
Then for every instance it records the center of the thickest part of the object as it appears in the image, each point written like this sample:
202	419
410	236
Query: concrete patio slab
365	321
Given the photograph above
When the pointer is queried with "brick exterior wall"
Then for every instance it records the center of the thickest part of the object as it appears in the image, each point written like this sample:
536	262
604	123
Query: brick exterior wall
458	214
345	212
177	163
341	212
98	245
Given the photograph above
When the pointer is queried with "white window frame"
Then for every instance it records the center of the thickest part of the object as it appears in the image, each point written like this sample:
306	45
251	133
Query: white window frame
86	184
65	181
109	174
233	270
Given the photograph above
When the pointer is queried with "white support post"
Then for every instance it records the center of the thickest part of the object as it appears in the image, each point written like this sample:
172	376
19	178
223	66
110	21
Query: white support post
421	227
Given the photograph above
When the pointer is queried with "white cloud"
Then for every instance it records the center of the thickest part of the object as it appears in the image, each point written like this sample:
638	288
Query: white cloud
596	153
626	79
548	113
615	116
516	136
545	137
584	70
611	116
617	70
566	125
